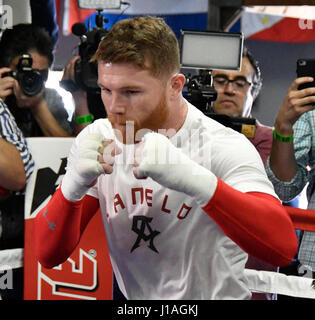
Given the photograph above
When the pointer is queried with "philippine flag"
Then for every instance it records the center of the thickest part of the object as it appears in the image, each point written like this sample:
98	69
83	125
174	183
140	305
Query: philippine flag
292	24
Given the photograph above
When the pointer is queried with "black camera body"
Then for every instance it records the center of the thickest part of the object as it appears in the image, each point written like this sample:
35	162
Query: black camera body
85	71
32	81
200	90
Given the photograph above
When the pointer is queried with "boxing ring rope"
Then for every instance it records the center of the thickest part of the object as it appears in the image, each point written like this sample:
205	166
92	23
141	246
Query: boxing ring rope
303	219
279	283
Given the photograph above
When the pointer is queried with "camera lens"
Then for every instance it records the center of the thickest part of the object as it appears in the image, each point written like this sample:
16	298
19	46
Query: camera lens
28	80
31	82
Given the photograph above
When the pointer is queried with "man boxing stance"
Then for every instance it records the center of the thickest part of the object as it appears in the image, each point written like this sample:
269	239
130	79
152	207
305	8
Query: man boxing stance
183	198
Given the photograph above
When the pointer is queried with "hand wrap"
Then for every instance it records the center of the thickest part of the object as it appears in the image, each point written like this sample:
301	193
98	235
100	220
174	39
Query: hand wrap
83	168
156	157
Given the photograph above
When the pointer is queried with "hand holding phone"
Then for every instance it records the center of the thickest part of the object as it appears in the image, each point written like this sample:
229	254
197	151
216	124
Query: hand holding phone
300	97
306	68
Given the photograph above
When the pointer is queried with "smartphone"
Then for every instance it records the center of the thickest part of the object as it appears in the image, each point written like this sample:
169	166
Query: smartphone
306	68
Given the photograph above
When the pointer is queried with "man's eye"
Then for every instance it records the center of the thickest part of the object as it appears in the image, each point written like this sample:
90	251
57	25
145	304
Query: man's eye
220	80
105	90
132	92
240	83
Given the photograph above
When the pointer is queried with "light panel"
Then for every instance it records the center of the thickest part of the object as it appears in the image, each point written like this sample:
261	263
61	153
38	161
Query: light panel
211	50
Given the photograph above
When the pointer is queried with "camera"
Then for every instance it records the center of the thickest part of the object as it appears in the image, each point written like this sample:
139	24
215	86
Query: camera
200	91
31	81
85	72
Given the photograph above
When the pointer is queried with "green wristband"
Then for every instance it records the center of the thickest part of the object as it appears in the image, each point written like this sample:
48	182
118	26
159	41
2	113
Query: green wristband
84	119
281	138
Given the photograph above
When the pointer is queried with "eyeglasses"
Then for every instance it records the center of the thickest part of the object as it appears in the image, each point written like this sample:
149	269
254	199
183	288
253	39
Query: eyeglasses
239	83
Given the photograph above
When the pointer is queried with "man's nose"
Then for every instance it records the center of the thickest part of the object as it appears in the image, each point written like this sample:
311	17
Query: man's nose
229	88
116	104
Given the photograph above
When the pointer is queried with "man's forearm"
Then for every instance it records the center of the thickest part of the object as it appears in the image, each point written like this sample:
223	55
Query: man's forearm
282	158
81	109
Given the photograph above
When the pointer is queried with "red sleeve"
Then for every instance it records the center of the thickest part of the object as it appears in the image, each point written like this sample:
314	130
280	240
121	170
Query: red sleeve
257	222
58	227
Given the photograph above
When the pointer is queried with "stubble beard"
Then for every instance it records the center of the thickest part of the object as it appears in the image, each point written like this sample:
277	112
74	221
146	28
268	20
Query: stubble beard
133	130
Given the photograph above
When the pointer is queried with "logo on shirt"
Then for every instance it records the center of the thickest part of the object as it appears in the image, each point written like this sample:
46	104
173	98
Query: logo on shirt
141	226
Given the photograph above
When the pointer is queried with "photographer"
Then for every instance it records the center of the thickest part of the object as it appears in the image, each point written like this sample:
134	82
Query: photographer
237	91
291	163
36	114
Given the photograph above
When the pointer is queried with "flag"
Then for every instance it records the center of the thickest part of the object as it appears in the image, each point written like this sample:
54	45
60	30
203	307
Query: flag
278	27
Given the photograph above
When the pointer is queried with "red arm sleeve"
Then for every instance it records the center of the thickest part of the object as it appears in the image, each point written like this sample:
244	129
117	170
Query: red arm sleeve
257	222
58	227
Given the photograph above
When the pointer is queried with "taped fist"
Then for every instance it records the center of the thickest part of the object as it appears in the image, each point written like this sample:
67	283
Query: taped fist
92	157
156	157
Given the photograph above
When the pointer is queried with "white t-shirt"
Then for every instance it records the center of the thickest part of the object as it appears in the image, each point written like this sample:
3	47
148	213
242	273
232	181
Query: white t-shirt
162	245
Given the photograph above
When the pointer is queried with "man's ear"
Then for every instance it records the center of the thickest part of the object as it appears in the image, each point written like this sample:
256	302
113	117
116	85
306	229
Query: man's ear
177	83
